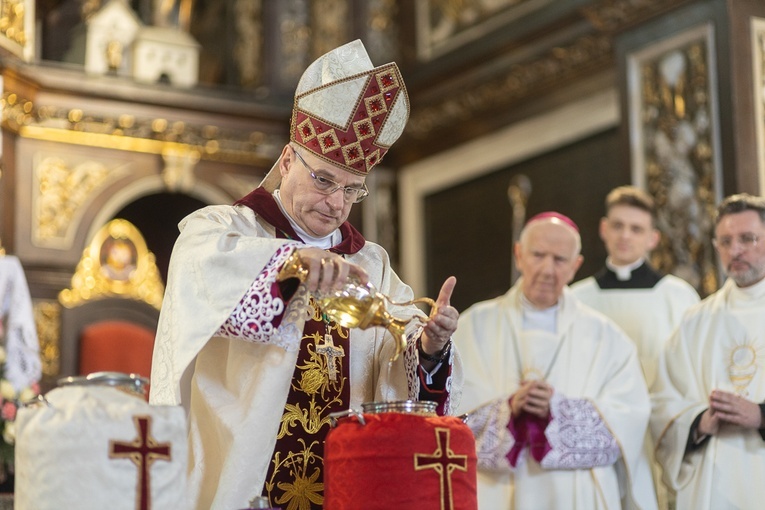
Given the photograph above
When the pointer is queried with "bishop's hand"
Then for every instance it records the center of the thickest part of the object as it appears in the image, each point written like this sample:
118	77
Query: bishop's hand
443	323
328	271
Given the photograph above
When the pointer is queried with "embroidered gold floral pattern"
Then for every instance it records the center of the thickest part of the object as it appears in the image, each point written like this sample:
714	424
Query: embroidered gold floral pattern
323	392
304	490
295	479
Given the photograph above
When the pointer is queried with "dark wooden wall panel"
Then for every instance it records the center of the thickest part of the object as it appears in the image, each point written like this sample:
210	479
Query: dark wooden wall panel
468	227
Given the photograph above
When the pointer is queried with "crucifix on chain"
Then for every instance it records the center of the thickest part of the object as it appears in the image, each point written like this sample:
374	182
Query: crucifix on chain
331	353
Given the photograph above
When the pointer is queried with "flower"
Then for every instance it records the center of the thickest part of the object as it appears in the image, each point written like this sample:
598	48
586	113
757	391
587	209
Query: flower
8	411
302	493
7	391
10	399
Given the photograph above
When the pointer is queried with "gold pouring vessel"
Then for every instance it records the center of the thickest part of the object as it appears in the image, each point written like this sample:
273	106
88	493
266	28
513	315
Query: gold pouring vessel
359	305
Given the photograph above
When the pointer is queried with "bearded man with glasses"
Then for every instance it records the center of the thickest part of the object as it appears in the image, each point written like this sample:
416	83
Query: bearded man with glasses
708	411
241	342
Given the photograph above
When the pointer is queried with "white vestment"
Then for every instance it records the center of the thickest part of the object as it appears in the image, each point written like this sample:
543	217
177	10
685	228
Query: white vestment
235	390
719	345
648	316
22	365
599	409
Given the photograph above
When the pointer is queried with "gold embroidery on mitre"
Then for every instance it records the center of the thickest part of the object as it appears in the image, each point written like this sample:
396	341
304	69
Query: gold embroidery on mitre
353	153
306	130
328	141
387	80
364	129
372	159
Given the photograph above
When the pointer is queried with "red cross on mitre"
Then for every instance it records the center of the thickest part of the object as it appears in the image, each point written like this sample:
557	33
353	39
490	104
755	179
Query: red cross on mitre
444	461
143	451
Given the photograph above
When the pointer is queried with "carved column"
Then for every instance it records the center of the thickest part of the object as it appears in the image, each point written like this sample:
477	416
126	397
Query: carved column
689	90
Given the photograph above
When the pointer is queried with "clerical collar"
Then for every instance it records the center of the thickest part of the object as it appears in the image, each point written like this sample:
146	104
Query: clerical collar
747	295
541	319
642	277
324	243
624	273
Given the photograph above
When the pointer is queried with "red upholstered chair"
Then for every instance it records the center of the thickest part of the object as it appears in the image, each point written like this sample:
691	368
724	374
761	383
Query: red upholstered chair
116	346
111	334
109	315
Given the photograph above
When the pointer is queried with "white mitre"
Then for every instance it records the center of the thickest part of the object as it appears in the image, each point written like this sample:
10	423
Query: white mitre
347	111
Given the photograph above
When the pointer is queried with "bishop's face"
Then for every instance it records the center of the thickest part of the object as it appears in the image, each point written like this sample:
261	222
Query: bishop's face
319	214
628	234
740	242
548	258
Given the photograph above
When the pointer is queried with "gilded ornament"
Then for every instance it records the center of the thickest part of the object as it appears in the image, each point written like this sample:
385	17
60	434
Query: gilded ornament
60	194
679	160
48	323
311	381
128	133
116	263
12	21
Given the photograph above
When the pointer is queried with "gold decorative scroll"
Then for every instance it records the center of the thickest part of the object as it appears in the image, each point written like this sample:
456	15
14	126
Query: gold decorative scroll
48	323
612	15
116	263
444	25
128	133
678	163
60	194
556	66
17	27
562	64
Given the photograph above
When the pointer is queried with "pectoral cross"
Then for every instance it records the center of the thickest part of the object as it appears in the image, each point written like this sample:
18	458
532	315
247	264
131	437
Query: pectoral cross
444	462
143	451
331	352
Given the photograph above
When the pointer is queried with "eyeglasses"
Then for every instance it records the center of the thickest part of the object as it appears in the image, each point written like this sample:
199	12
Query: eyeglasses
746	241
328	186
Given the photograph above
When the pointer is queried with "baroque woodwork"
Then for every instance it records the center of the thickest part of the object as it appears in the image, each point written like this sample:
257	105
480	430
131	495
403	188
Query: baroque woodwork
518	62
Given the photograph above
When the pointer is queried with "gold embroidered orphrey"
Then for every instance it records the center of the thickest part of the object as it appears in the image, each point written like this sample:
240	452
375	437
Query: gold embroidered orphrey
318	379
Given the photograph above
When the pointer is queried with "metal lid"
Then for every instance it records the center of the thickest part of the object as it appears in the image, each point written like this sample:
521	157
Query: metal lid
134	383
424	408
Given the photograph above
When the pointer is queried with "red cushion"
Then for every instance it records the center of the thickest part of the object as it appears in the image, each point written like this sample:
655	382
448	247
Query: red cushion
116	346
